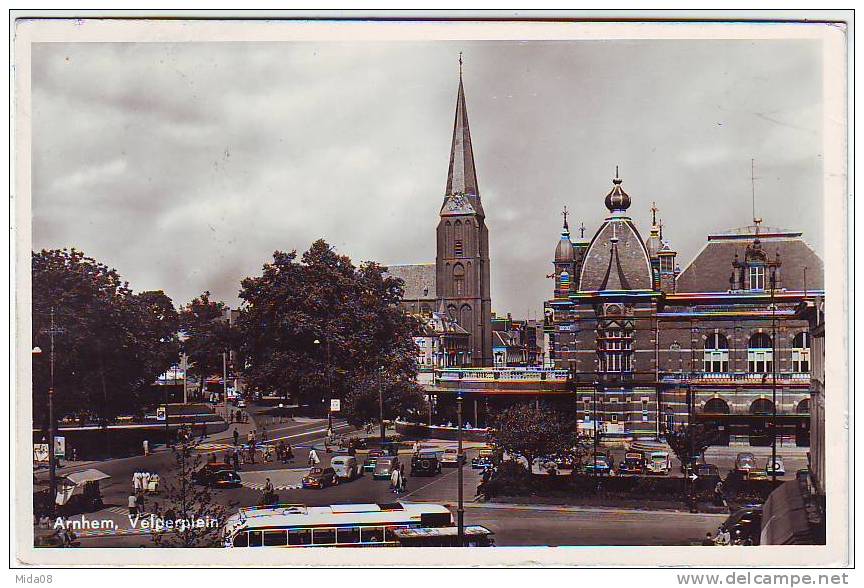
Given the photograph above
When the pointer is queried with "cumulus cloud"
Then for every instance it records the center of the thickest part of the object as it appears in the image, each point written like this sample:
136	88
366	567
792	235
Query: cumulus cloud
186	165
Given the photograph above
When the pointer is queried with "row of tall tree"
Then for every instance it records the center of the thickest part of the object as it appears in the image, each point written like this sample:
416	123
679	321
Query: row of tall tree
311	327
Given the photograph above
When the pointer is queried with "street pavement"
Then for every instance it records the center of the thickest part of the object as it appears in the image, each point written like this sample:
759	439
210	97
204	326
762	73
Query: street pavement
513	524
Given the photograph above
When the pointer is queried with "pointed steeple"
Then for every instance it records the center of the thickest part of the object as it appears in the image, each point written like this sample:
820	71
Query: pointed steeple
462	176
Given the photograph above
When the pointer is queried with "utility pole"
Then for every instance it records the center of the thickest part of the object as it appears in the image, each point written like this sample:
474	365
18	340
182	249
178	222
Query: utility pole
224	386
329	389
460	457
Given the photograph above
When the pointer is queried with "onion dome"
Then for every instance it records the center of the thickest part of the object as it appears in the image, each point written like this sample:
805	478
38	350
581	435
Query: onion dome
564	251
617	200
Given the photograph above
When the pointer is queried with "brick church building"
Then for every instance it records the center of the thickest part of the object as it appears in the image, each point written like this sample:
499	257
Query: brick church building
649	345
456	287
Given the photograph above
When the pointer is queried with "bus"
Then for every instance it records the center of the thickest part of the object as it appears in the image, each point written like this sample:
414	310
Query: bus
337	525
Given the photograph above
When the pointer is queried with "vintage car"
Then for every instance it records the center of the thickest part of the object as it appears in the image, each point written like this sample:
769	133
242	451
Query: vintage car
747	521
371	458
778	468
425	463
320	478
384	466
484	459
658	463
633	463
450	457
217	475
346	467
601	465
744	462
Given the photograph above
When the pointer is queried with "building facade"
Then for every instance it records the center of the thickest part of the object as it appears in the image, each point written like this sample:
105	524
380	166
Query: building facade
650	346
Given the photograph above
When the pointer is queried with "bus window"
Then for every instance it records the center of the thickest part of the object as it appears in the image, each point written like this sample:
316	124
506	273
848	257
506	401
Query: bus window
348	535
324	536
299	537
241	539
254	538
275	538
389	537
372	534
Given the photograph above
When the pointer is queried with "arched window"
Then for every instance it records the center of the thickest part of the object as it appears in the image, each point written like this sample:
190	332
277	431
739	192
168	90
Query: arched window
760	355
716	406
801	352
458	279
803	407
762	406
465	317
716	353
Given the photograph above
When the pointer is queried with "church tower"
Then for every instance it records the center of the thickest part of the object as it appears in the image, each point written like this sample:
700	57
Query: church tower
462	259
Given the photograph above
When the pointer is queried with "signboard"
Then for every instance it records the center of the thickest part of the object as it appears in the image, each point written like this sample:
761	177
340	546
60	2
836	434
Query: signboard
335	405
160	413
60	447
40	452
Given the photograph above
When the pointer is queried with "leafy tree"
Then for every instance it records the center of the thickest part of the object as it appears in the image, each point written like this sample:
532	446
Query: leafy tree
192	518
525	430
401	398
690	441
206	336
352	312
114	343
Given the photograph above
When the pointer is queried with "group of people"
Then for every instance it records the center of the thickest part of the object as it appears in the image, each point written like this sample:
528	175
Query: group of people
398	480
143	481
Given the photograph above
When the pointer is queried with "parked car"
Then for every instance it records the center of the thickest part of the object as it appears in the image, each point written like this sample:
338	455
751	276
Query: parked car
601	465
634	463
450	457
484	458
241	403
425	463
744	462
384	466
320	478
779	469
686	468
748	520
346	467
371	458
658	463
217	475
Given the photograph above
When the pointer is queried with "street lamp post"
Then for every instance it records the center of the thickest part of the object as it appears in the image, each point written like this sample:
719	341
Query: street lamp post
52	425
381	405
774	377
329	394
460	510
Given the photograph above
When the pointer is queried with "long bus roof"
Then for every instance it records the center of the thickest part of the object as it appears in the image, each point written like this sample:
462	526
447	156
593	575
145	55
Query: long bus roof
291	515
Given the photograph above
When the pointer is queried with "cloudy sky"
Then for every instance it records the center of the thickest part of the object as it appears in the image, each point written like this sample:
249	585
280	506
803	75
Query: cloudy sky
186	165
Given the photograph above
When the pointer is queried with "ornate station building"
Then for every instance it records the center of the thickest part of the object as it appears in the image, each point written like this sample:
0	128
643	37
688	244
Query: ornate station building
649	346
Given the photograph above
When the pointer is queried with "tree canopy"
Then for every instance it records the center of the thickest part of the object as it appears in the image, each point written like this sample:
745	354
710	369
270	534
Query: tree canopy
691	441
113	345
207	334
314	327
528	431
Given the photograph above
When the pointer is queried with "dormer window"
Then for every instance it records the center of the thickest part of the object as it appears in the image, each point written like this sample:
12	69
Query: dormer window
757	277
666	263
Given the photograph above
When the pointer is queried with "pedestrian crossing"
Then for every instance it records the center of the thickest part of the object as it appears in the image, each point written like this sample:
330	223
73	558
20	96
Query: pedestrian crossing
118	510
214	446
260	486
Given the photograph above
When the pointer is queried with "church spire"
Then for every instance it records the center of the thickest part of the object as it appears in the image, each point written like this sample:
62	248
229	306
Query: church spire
461	177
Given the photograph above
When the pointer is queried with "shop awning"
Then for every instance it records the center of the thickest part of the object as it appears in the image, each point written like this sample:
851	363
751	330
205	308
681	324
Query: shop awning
784	517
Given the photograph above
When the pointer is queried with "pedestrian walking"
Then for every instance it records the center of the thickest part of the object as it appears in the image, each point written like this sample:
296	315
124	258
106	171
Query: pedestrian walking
145	481
137	481
252	452
403	479
264	433
394	480
146	445
236	436
313	458
236	457
416	447
133	505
